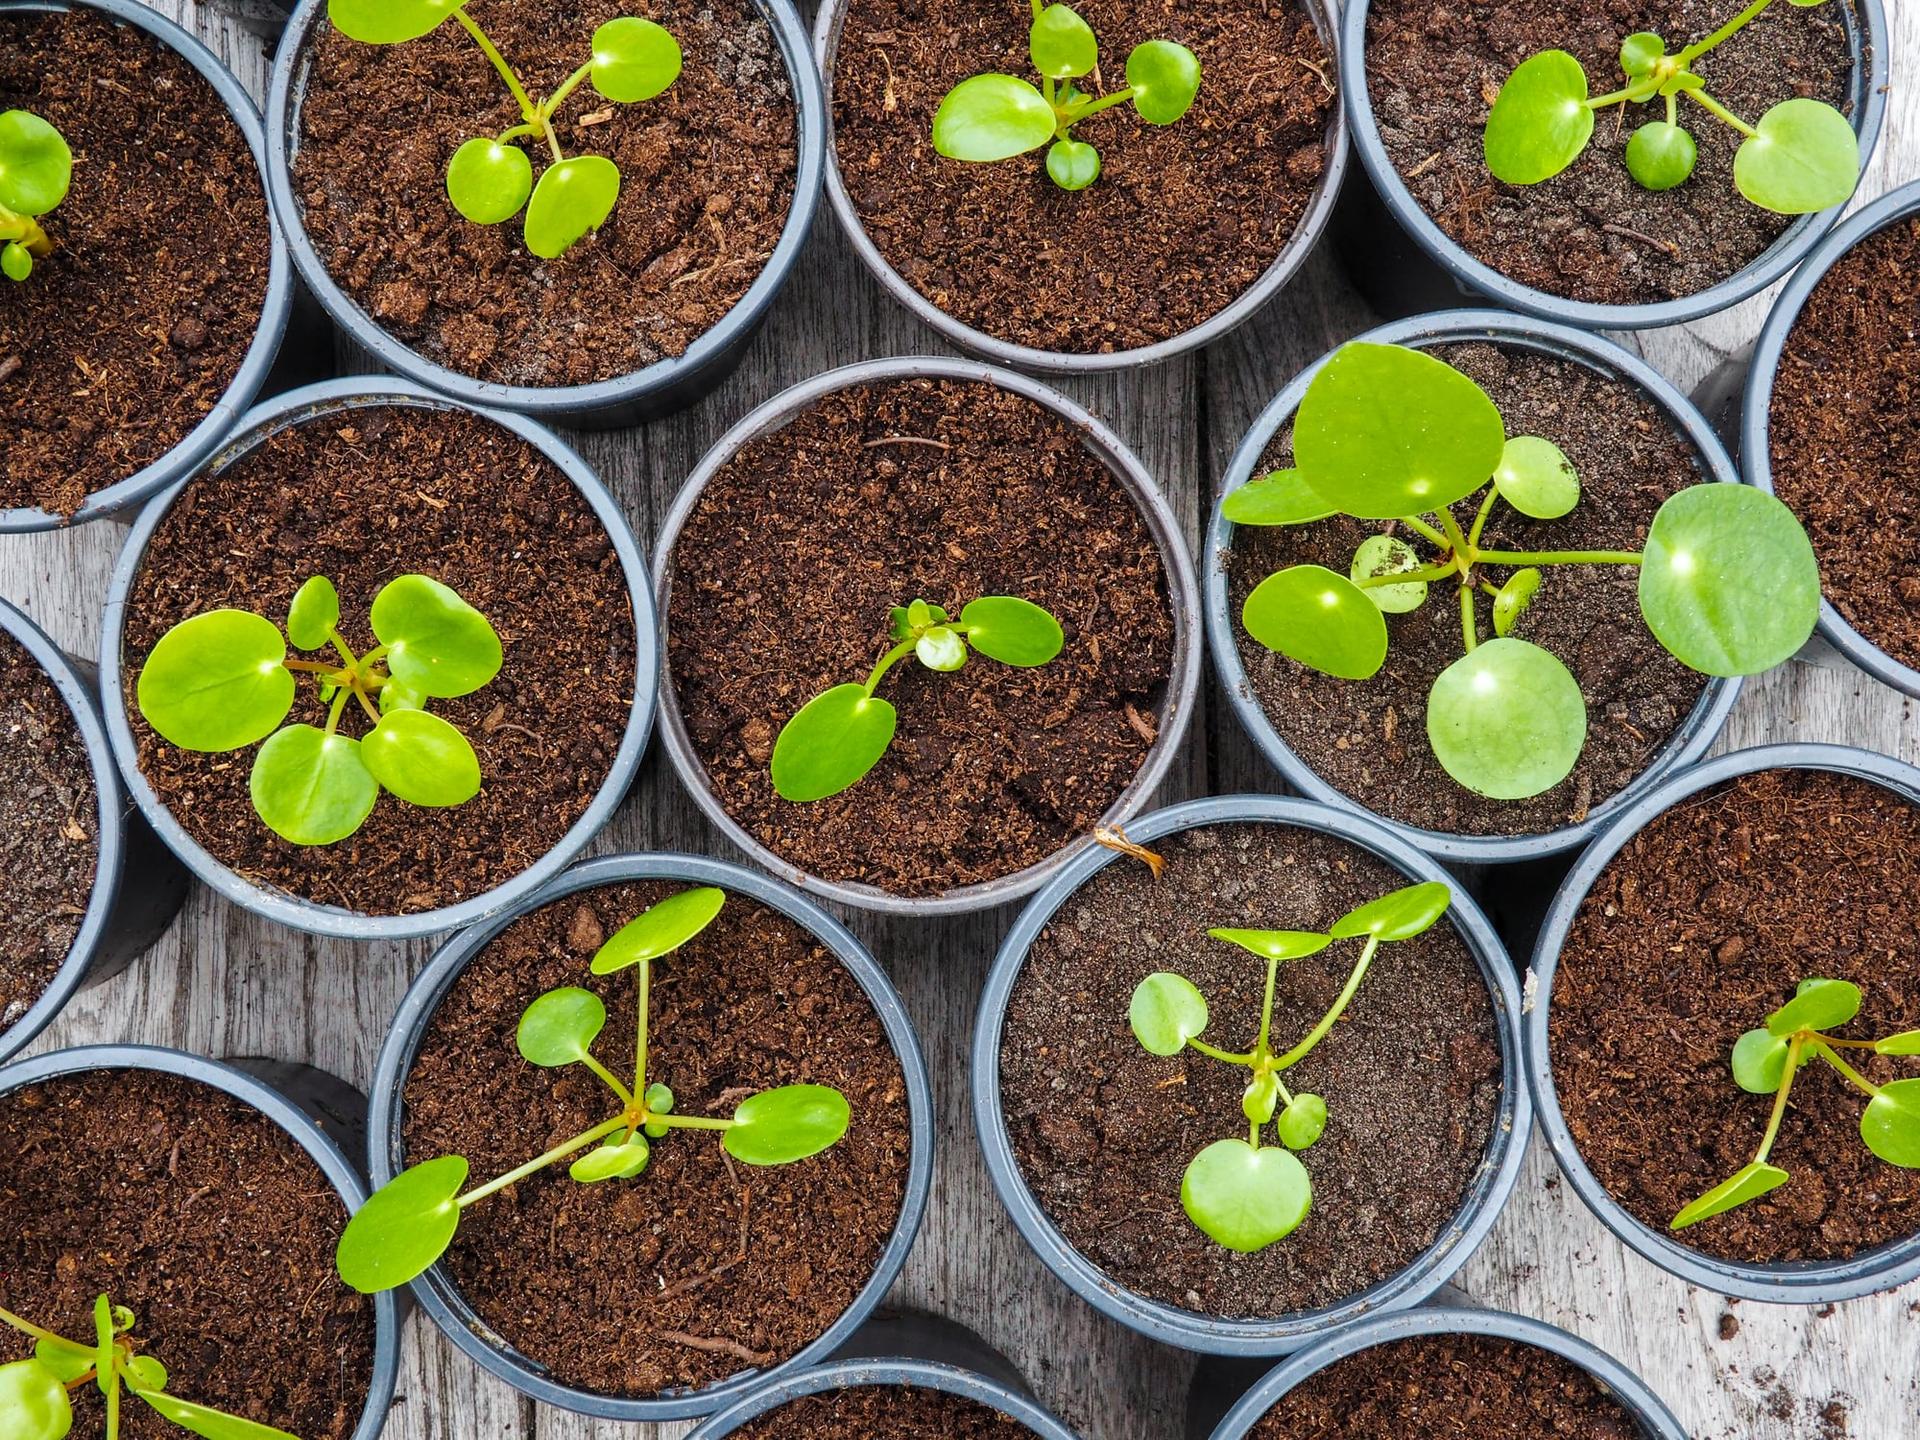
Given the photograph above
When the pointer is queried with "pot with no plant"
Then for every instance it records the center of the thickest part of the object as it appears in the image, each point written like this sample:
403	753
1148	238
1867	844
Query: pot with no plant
984	648
385	666
997	163
901	1398
1772	1027
1570	170
1251	1074
638	179
1495	682
145	290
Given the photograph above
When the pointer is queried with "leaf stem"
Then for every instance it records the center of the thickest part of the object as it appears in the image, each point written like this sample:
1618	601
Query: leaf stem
691	1122
1408	577
553	140
1713	106
311	667
1454	538
1794	1048
887	662
1420	527
27	1327
1319	1032
559	1152
339	703
1076	113
1559	557
527	107
643	1002
553	102
1266	1008
1469	627
1727	31
1827	1053
612	1081
1480	519
1641	89
346	651
367	705
1227	1055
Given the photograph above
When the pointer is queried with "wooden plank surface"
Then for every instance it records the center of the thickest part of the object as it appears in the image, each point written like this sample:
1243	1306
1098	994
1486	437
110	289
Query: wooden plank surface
224	983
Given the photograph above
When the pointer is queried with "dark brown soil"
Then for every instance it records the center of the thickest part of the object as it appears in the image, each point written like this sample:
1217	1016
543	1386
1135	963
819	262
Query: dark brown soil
362	496
1104	1131
1591	233
126	337
1183	219
1368	739
1844	434
707	173
1694	933
205	1219
49	831
884	1412
637	1287
1449	1387
942	490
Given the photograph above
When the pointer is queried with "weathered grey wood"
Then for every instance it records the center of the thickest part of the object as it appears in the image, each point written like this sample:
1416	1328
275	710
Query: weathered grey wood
224	983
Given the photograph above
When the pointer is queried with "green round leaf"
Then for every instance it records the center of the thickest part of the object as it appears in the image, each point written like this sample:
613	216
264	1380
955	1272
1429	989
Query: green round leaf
66	1360
1302	1122
1817	1005
33	1403
216	682
1760	1062
778	1127
146	1373
1245	1198
559	1028
1385	431
311	787
1398	915
1640	52
612	1161
208	1423
389	22
1536	478
1011	630
1803	157
1507	720
992	117
1512	601
1063	45
1164	78
313	614
1540	122
1073	165
634	60
404	1227
422	759
488	182
659	930
831	743
436	642
16	261
1384	555
1891	1124
1320	619
35	164
572	197
1750	1183
1280	498
938	648
1661	156
1905	1043
1276	944
1166	1011
1729	584
395	696
1258	1100
659	1102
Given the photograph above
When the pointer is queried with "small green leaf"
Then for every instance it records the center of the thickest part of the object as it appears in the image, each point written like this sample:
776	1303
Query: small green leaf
1398	915
831	743
1244	1198
1640	52
389	22
778	1127
313	614
436	642
1072	164
560	1027
1280	498
634	60
1258	1100
1165	79
612	1161
1276	944
1536	478
422	759
1905	1043
1507	720
898	625
1011	630
216	682
1319	619
208	1423
35	164
659	1102
488	182
1166	1011
310	787
1816	1005
65	1359
659	930
404	1227
938	648
33	1403
1661	156
1803	157
1751	1183
1303	1122
1540	121
1760	1062
573	197
1062	44
1384	555
1513	599
16	261
1891	1124
145	1373
992	117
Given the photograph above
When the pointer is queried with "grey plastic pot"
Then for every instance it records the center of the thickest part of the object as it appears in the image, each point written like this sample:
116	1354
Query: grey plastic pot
300	407
436	1291
1801	1283
1411	264
1183	685
659	389
201	441
1690	740
138	886
858	1374
1492	1183
1656	1421
304	1111
1313	224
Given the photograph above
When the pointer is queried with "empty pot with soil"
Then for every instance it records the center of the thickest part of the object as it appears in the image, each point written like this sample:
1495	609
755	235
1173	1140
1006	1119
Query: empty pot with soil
1130	185
1736	955
154	288
567	211
384	666
898	1398
1009	565
1236	1169
726	1208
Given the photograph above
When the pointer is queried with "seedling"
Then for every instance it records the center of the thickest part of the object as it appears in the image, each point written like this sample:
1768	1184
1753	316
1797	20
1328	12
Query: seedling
1802	156
837	737
1765	1062
1728	582
36	1396
490	178
411	1220
223	681
996	117
35	169
1242	1194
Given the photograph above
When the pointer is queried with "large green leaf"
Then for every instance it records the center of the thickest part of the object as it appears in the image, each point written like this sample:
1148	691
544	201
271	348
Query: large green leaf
778	1127
216	682
1011	630
572	198
33	1403
436	642
1062	44
1279	498
311	787
1166	1011
488	182
1891	1124
404	1227
634	59
35	163
1276	944
1803	157
1245	1198
992	117
422	759
1750	1183
1540	121
208	1423
1398	915
559	1028
1320	619
1164	78
660	929
1507	720
389	22
831	743
1817	1004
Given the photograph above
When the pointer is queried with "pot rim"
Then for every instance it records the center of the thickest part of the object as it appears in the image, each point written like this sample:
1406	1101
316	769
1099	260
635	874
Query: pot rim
858	1374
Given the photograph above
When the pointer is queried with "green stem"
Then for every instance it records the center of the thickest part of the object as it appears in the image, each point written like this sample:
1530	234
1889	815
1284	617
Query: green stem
1558	557
887	661
1420	527
112	1387
340	696
553	102
644	1002
311	667
691	1122
1408	577
1227	1055
559	1152
346	651
1713	106
1454	538
1266	1008
1673	109
27	1327
1794	1047
1641	89
1052	94
1076	113
1480	520
1319	1032
1727	31
527	107
613	1082
1037	7
553	140
515	133
1253	1134
1828	1054
1469	627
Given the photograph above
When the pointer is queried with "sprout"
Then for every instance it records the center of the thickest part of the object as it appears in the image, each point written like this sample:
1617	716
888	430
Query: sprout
490	179
837	737
222	681
1765	1062
1728	580
1802	156
411	1220
35	168
996	117
1240	1193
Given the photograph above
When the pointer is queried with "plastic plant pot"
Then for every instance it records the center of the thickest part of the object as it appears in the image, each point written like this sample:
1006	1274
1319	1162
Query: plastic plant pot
856	1374
656	390
1690	739
1183	684
299	407
1799	1283
436	1291
1487	1193
198	443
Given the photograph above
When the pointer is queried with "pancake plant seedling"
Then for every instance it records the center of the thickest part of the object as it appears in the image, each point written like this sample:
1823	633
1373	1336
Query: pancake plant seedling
36	1395
837	737
1245	1195
1802	156
410	1221
35	168
996	117
223	681
1765	1062
1728	582
490	178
